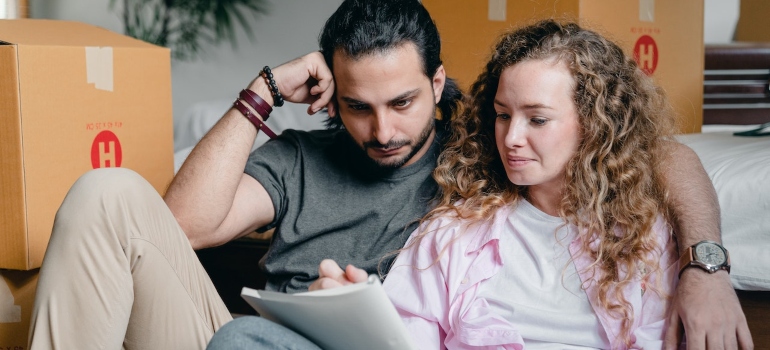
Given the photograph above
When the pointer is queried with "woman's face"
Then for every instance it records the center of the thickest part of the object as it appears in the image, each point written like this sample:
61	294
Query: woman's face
537	128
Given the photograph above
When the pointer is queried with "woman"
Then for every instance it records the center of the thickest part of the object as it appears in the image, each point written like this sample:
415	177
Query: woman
549	231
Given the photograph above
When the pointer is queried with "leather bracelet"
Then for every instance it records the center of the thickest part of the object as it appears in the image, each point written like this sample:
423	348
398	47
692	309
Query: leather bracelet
277	97
260	125
257	103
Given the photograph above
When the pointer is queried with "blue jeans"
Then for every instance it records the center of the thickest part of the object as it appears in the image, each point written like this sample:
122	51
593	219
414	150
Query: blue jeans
252	332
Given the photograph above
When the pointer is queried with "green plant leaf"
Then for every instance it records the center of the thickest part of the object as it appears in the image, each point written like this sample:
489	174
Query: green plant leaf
187	26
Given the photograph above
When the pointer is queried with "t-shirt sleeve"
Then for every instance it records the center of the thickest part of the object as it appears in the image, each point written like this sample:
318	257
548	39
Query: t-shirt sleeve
274	166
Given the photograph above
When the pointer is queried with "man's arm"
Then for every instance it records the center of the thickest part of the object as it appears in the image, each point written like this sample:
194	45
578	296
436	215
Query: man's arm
704	304
211	197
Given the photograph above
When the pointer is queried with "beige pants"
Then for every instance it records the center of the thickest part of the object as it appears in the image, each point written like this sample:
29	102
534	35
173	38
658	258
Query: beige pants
119	272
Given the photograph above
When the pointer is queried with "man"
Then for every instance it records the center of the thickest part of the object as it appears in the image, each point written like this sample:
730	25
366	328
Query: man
128	274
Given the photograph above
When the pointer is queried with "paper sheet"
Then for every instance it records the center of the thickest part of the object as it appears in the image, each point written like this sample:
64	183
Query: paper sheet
358	316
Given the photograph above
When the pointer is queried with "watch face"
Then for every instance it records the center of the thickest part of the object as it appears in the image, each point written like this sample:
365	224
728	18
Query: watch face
710	254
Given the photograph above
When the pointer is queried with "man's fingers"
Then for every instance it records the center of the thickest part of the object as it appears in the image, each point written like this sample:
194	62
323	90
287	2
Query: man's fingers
673	335
695	341
714	341
731	341
744	336
324	95
323	89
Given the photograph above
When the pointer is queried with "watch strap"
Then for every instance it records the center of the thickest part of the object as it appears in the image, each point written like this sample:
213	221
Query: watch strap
686	260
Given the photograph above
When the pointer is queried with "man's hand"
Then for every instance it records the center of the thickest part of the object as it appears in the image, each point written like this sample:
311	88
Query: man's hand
708	309
332	276
304	80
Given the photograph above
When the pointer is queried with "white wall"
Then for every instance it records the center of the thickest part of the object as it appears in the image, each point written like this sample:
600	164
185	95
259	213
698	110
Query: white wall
720	18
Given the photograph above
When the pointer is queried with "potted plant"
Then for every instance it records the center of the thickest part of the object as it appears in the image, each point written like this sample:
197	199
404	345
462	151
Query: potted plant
187	26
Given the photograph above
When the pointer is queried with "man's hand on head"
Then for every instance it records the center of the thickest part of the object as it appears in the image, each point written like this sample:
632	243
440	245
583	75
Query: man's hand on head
707	309
306	79
331	275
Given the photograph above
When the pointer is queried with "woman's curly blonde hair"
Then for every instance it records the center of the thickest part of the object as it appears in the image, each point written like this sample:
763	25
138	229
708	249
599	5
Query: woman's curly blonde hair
612	190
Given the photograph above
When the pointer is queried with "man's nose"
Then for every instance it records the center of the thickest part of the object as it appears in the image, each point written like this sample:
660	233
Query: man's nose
383	129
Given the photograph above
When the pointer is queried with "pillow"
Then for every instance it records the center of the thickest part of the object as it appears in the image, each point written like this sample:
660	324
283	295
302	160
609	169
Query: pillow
739	168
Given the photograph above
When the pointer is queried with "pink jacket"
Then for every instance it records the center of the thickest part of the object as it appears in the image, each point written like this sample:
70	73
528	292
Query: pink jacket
439	304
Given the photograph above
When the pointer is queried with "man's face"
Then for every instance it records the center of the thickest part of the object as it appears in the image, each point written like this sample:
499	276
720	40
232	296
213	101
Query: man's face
387	104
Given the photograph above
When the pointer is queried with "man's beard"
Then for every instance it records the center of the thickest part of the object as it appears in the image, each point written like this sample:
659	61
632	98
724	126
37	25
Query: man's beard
390	165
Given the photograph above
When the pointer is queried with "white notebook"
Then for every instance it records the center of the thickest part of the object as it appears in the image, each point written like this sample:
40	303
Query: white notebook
356	316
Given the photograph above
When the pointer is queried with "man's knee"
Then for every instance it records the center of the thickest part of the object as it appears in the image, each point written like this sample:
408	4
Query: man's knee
97	186
109	179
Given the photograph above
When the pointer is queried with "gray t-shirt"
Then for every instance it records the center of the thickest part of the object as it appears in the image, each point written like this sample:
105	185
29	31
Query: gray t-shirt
330	202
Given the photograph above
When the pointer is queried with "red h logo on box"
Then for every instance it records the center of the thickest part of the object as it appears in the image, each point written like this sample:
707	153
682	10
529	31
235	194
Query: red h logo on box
106	151
646	54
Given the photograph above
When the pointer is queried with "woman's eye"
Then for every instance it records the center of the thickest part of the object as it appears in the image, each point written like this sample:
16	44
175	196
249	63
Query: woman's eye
503	116
539	121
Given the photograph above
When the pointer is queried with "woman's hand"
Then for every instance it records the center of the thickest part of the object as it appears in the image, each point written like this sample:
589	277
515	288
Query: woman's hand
330	275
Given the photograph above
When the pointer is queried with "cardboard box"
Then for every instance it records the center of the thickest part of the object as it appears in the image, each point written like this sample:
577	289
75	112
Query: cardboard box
666	36
73	97
17	296
753	25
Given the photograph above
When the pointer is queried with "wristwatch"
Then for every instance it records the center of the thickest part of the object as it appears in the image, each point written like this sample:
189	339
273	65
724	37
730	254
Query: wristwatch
708	255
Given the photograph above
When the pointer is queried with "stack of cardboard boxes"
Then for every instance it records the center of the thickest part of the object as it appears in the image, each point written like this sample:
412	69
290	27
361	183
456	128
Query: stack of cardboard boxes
666	37
73	97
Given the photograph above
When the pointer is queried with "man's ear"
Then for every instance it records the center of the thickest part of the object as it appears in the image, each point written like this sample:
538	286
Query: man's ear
333	108
439	79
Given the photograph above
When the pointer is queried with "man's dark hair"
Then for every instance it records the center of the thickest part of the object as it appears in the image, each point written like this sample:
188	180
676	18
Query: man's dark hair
363	27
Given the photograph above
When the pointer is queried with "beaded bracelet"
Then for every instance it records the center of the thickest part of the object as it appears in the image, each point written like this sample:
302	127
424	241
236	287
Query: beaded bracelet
277	97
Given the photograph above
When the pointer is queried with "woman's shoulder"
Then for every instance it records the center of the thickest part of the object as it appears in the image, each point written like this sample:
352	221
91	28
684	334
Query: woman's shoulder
453	228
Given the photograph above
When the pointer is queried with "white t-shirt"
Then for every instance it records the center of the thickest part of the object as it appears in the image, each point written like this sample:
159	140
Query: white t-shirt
538	289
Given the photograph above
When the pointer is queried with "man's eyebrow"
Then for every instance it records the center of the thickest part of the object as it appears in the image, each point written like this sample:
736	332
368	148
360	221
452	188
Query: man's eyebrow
352	101
405	95
400	97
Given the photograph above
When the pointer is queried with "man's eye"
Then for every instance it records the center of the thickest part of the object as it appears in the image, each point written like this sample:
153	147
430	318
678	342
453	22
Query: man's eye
358	107
403	103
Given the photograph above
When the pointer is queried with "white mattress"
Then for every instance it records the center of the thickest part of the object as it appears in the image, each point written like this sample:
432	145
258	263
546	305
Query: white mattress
739	167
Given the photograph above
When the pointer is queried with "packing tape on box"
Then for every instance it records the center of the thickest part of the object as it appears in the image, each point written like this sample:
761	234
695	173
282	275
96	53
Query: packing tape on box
8	311
99	67
647	10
